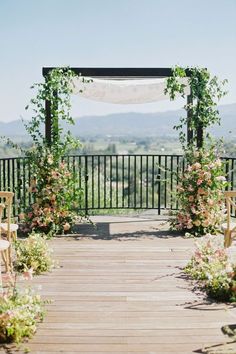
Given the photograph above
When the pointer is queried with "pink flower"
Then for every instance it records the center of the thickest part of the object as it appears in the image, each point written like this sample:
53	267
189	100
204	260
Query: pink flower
197	165
210	202
33	182
199	181
21	216
66	226
201	191
189	168
180	188
28	275
189	225
205	223
197	222
207	175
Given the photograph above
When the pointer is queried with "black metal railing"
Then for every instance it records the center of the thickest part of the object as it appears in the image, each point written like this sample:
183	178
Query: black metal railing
127	181
112	181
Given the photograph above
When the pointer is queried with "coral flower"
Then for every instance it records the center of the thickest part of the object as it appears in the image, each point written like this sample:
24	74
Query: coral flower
66	226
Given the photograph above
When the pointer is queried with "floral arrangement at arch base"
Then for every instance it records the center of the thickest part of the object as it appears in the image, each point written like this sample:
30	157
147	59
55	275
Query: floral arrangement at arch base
54	190
200	193
213	267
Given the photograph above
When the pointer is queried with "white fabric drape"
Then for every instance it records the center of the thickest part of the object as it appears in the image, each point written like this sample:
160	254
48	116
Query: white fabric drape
122	91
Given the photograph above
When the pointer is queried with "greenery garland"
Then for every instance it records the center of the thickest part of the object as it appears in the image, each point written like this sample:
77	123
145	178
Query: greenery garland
56	89
206	91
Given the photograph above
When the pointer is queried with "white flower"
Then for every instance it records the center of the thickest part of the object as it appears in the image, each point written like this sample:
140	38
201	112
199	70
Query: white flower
229	268
221	178
209	276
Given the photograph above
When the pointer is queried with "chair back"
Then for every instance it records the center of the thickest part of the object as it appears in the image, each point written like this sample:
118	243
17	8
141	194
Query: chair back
7	199
230	197
2	206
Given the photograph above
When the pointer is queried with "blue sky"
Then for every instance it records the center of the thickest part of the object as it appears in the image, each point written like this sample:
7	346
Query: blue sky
111	33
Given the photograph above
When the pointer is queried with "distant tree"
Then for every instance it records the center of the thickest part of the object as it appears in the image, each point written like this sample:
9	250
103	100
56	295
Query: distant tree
111	149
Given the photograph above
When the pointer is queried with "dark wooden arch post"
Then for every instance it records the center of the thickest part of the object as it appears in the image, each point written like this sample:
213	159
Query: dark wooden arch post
189	117
48	118
199	135
51	125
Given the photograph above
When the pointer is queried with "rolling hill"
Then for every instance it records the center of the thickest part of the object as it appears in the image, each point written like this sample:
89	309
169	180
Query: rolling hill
132	124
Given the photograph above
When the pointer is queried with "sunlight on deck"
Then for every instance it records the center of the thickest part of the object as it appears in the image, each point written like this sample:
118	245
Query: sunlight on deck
121	290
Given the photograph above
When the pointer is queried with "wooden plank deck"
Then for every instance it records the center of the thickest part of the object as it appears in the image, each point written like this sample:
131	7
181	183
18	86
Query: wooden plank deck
121	290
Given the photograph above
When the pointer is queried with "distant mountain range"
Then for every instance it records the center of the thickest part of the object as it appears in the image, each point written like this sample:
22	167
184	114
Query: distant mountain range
133	124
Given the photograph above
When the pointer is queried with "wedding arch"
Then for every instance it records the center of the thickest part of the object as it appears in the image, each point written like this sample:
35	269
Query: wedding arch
123	86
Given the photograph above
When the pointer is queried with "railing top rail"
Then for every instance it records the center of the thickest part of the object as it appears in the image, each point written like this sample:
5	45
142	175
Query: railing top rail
102	155
14	158
89	155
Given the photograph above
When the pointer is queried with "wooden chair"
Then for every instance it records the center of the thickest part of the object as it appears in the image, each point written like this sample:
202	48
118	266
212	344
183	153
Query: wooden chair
8	228
229	227
4	245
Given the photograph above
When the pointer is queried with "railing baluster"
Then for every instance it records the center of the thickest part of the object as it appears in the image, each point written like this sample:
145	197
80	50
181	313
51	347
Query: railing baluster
86	184
171	183
135	182
147	182
111	194
141	181
117	185
123	180
8	175
128	181
99	165
227	172
159	184
153	182
232	174
177	179
80	182
74	174
92	167
4	174
105	182
165	184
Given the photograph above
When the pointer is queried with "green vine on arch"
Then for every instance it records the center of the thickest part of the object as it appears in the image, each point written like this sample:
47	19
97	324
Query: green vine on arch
54	186
206	91
57	90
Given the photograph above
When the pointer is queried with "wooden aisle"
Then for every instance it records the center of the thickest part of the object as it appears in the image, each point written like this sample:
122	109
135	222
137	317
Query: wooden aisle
125	293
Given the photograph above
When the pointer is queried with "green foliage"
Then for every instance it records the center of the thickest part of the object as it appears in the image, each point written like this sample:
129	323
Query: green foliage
206	91
54	186
20	311
33	254
212	266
